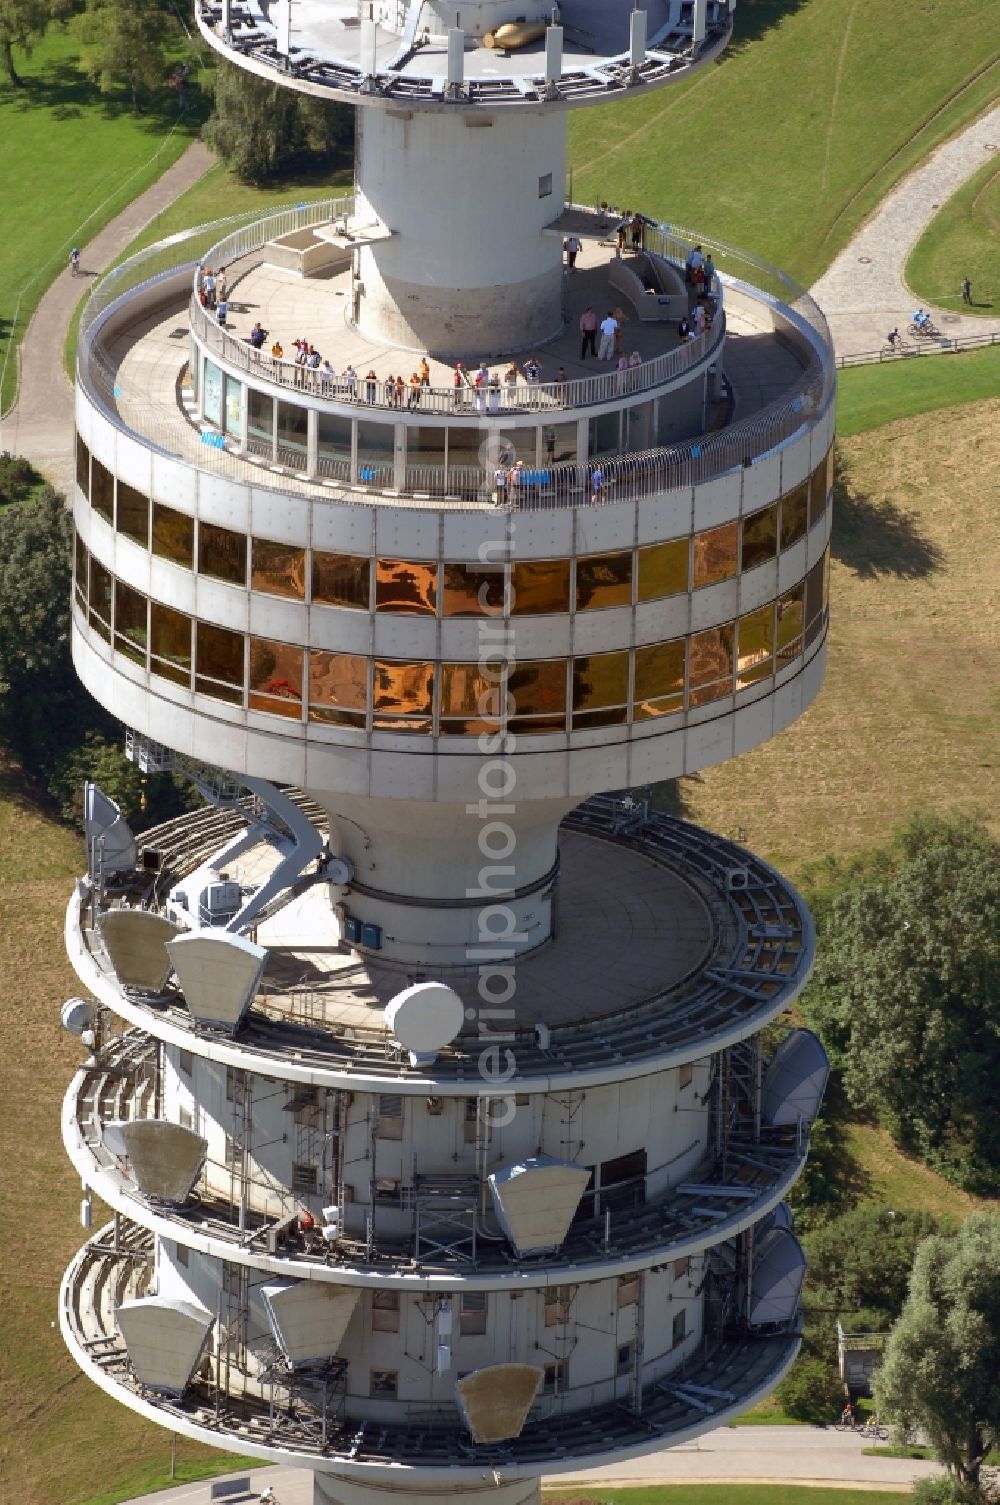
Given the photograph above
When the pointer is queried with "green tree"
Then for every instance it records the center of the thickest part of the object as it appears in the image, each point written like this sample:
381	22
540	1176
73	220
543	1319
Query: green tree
60	735
22	22
906	994
811	1391
863	1259
124	42
35	571
262	130
943	1357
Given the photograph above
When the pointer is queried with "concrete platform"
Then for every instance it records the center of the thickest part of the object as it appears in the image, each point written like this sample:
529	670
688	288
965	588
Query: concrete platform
628	927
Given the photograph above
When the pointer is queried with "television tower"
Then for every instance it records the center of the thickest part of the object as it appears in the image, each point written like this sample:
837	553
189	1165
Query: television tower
435	1078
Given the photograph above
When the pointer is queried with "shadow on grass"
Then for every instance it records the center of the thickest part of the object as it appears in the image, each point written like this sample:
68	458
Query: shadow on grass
874	540
67	94
756	17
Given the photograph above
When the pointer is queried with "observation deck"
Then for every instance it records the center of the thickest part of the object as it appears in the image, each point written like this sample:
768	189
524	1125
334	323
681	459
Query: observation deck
687	413
707	964
402	60
294	1423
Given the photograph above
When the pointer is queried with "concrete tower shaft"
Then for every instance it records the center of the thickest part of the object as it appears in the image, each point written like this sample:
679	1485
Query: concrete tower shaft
472	267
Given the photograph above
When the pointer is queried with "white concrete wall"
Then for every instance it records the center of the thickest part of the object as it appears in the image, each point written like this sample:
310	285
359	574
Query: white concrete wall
468	268
588	1343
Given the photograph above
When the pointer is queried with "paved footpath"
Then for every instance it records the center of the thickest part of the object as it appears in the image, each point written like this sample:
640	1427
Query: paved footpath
863	292
40	425
810	1456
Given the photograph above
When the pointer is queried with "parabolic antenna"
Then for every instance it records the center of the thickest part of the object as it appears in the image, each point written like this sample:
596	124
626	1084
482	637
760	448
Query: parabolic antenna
425	1017
77	1015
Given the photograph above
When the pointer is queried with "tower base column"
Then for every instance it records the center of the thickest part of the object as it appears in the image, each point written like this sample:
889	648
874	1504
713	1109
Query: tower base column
329	1489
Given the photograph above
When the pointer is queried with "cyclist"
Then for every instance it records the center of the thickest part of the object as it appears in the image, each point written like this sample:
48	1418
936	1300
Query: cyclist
74	262
921	319
893	338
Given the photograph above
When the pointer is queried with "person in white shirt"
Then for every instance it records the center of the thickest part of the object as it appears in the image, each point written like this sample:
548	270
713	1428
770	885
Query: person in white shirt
573	249
609	328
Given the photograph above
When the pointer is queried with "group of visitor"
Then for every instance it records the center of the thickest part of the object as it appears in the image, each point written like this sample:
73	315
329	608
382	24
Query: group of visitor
212	289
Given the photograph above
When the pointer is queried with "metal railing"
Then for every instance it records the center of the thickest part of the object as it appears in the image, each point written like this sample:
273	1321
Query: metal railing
940	345
163	426
467	400
519	396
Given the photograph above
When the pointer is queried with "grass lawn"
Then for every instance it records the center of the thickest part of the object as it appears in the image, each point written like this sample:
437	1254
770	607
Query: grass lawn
150	1477
962	241
793	137
899	1181
72	161
870	396
61	1439
907	717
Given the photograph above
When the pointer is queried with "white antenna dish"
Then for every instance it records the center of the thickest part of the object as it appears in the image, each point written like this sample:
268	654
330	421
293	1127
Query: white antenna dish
425	1017
77	1016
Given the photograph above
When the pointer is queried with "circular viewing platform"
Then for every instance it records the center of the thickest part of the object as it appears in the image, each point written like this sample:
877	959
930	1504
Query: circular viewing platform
684	414
401	59
724	1375
710	959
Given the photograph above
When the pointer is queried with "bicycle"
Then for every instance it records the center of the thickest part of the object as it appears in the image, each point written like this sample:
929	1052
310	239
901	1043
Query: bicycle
924	331
874	1429
894	347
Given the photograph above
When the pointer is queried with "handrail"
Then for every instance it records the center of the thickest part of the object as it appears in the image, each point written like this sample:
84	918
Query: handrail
522	396
467	401
623	477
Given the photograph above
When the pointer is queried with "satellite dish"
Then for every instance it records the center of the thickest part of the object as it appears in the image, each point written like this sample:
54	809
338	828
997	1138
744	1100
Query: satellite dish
425	1017
77	1016
110	841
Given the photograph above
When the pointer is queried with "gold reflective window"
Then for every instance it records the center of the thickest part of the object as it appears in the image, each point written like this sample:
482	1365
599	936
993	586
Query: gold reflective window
102	489
663	569
404	695
814	598
341	579
537	689
715	554
338	688
539	585
82	466
222	553
278	568
756	646
659	679
604	580
131	632
100	598
600	690
819	485
219	662
788	631
133	514
81	570
406	586
794	515
760	537
470	702
275	678
470	590
170	643
711	670
173	535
